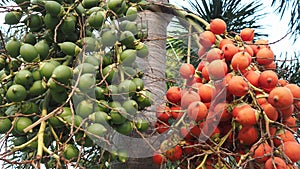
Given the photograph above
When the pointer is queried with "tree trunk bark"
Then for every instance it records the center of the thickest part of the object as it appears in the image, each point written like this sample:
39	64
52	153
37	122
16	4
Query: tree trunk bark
154	77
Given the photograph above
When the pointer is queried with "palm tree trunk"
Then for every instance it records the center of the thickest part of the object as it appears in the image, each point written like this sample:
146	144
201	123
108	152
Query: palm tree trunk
154	69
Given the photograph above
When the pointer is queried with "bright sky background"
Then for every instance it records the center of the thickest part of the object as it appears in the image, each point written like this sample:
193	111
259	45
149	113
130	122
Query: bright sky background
274	27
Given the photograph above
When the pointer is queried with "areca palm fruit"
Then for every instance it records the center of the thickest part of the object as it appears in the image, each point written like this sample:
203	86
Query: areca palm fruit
85	108
132	27
80	10
118	6
90	44
111	73
144	99
84	68
139	83
12	18
122	155
36	74
29	108
127	38
58	97
46	69
71	152
55	122
118	115
14	64
77	120
13	47
69	48
68	25
38	87
24	77
66	111
115	104
34	22
142	50
99	93
93	9
29	38
96	130
128	56
28	52
2	63
62	73
16	93
129	71
143	4
131	13
96	19
99	117
5	125
106	59
130	106
43	49
51	21
92	59
109	38
127	87
54	8
102	106
19	140
54	86
87	82
141	124
90	3
123	24
21	123
125	128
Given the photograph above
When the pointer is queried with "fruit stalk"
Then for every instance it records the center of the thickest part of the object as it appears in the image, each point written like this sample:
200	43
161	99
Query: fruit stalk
40	134
51	153
202	162
25	144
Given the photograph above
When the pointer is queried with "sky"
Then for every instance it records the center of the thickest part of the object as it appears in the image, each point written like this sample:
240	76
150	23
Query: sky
275	27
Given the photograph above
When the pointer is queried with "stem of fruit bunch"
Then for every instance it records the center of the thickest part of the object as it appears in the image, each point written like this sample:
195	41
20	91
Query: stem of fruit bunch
51	153
243	157
223	139
202	162
119	50
25	144
8	105
41	131
54	135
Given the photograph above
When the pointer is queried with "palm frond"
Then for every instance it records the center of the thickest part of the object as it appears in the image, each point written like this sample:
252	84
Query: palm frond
289	68
5	2
293	6
237	15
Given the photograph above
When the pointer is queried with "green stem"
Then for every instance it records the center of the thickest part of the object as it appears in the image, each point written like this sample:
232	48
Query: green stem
41	132
25	144
51	153
119	51
203	162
